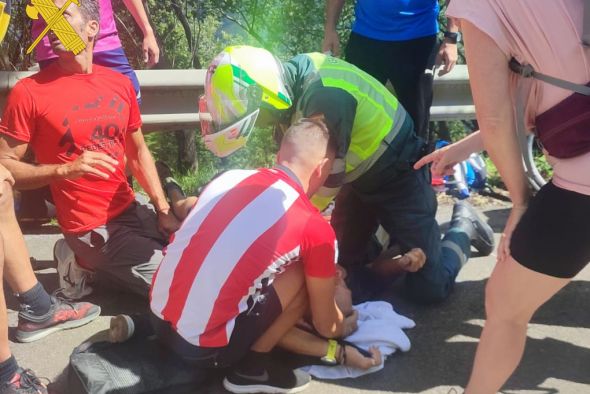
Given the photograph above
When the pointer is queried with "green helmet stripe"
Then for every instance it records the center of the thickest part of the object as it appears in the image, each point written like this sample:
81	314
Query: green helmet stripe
242	75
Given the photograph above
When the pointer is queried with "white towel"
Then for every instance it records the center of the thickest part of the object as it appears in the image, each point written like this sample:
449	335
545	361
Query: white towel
378	325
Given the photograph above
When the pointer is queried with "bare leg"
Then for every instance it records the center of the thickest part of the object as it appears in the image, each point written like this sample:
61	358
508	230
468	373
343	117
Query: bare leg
181	206
17	265
513	294
4	348
290	287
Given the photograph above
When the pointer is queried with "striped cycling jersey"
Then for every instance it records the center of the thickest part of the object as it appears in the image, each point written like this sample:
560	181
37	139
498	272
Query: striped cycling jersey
247	227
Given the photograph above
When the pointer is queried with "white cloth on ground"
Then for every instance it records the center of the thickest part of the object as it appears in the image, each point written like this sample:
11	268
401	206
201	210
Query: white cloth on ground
378	325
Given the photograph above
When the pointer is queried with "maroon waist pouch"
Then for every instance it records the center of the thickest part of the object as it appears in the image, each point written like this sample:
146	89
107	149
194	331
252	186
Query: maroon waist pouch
564	129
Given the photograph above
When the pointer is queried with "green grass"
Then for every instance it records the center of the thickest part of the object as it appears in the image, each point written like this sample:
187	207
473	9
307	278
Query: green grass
260	151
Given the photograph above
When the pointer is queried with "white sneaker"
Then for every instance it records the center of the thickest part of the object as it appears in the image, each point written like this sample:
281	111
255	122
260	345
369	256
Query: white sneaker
73	279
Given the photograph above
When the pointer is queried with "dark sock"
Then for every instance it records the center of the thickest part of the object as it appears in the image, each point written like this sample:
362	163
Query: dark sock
143	325
37	300
7	369
253	362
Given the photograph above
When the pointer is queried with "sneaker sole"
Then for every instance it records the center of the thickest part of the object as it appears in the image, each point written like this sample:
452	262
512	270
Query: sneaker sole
260	388
26	337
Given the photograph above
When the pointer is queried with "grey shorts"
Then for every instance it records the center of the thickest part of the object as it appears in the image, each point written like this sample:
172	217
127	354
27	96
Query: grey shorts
126	251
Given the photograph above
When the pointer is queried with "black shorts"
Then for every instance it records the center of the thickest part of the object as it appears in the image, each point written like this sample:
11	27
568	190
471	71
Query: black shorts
249	326
553	236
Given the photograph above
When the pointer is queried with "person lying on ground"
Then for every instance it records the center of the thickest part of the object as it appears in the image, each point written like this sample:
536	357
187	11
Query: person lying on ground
82	122
40	313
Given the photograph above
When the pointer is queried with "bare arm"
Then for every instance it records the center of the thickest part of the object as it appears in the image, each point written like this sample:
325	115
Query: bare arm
489	77
32	176
327	318
141	163
151	52
447	53
331	39
443	160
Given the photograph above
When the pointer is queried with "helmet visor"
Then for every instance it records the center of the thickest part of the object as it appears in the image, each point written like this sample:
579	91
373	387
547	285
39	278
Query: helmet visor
229	139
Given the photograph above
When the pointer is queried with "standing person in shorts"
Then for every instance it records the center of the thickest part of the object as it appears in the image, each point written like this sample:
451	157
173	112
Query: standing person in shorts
546	241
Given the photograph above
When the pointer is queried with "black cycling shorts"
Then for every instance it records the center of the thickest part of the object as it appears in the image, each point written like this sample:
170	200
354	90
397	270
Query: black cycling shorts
553	236
249	326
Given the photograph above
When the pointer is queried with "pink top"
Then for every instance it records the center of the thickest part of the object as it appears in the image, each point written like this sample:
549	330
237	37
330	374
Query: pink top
545	34
108	37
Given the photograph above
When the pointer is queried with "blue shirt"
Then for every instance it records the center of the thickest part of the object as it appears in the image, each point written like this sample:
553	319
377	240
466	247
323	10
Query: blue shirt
396	20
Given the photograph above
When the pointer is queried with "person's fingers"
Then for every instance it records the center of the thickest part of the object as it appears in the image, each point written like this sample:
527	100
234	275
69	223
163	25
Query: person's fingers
375	355
145	55
8	178
88	169
102	163
426	160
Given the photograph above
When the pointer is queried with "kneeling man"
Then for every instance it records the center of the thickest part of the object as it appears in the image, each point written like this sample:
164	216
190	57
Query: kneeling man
251	260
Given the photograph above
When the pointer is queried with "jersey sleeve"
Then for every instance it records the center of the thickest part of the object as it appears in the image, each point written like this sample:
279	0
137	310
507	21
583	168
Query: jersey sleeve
339	110
18	119
318	249
134	122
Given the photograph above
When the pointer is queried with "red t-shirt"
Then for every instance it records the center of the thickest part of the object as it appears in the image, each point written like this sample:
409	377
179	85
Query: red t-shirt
60	116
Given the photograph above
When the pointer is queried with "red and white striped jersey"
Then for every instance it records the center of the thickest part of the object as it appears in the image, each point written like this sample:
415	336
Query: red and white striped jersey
246	227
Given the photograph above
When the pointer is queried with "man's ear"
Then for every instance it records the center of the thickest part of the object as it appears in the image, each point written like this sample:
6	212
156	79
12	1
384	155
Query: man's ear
322	167
92	28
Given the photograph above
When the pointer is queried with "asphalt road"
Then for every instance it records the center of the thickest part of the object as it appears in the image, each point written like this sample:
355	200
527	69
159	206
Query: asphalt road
557	358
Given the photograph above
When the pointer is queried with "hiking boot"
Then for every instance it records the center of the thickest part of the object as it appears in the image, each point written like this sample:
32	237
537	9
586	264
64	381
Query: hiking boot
466	218
61	316
24	381
73	279
266	377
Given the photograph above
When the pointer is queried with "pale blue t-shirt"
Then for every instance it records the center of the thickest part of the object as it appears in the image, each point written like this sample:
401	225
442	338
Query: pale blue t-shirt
396	20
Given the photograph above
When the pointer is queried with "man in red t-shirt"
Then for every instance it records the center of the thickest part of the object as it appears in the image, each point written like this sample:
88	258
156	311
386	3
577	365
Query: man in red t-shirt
82	122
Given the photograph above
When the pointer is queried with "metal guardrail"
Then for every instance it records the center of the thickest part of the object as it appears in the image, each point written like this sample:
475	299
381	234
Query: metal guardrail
170	97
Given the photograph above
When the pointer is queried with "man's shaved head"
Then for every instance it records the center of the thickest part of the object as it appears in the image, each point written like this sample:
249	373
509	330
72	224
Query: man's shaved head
306	142
308	150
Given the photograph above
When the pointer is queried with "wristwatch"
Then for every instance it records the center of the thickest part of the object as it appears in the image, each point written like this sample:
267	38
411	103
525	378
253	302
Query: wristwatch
330	357
452	37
